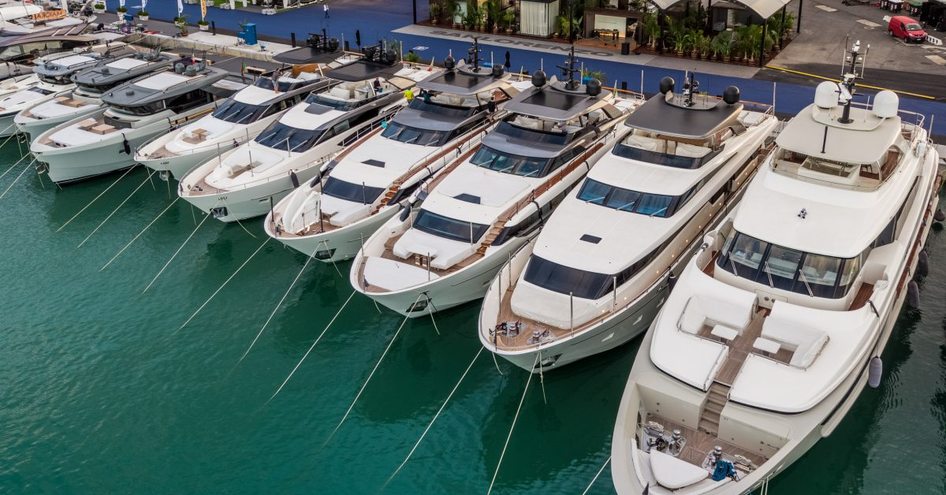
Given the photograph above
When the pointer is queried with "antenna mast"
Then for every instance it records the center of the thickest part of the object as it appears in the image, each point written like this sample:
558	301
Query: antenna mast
850	74
569	70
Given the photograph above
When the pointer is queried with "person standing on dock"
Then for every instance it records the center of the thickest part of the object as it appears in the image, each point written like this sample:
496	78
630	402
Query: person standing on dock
325	9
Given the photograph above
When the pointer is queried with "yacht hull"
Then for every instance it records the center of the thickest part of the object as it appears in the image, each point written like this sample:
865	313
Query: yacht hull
467	284
180	165
34	127
253	201
336	245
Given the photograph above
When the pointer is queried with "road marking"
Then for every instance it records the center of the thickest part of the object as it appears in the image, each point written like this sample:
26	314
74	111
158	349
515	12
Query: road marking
868	23
936	59
860	85
826	8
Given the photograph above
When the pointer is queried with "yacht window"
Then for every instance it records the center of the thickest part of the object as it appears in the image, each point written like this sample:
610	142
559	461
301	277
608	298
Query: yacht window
187	101
567	280
341	105
656	205
283	86
456	112
356	193
508	163
566	157
789	269
283	137
665	159
441	226
414	135
532	135
146	109
37	89
240	113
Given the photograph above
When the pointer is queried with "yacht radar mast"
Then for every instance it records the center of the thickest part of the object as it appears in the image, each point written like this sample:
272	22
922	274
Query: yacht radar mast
569	68
474	54
849	75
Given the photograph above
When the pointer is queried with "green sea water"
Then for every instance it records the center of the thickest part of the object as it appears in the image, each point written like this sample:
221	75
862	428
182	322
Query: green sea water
102	392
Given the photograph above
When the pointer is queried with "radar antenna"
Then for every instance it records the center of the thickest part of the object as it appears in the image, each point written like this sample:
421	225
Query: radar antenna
569	70
851	71
690	87
474	53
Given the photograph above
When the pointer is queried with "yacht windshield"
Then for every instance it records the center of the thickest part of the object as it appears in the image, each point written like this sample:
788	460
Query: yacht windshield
789	269
239	113
508	163
37	89
533	135
414	135
356	193
343	105
567	280
455	112
441	226
655	205
283	137
270	83
678	160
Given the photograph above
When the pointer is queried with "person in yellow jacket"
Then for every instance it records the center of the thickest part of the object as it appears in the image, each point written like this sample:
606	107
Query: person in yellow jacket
408	94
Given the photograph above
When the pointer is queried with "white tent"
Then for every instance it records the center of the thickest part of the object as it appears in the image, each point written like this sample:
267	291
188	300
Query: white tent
765	8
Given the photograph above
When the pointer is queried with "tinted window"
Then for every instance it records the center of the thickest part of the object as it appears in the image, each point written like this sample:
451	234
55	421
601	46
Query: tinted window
283	86
238	112
283	137
441	226
459	113
414	135
508	163
356	193
533	135
565	280
657	158
657	205
342	105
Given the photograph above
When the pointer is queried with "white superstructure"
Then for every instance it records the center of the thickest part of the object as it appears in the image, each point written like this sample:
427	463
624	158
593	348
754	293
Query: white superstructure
598	271
776	323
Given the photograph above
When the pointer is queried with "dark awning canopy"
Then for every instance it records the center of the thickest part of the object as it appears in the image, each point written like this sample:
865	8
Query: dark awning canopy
765	8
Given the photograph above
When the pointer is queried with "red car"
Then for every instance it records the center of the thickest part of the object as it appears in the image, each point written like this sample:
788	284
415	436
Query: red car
906	29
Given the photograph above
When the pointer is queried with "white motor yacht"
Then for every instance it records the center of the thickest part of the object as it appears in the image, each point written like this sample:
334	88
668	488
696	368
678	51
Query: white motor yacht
598	271
90	84
329	217
779	320
134	113
248	181
54	79
235	122
493	200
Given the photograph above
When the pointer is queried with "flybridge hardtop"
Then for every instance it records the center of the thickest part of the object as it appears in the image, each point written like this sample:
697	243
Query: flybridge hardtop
685	115
157	87
319	49
110	72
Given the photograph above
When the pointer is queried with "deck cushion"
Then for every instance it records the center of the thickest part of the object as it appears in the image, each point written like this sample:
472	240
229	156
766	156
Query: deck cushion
674	473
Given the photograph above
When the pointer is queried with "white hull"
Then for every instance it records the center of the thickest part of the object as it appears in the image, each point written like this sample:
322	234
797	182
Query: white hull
180	165
337	245
254	201
107	155
34	127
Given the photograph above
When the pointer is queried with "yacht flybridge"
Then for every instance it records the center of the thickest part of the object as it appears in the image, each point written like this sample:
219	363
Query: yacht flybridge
329	217
597	273
493	200
234	122
104	141
245	114
777	321
246	182
90	84
54	78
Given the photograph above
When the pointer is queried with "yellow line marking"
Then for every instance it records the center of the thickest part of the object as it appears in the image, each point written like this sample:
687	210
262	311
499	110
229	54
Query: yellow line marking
816	76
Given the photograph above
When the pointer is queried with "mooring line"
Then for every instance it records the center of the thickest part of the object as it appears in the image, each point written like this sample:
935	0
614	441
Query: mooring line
370	375
224	284
278	305
434	419
511	428
115	210
135	238
27	167
596	476
244	229
304	356
176	253
95	199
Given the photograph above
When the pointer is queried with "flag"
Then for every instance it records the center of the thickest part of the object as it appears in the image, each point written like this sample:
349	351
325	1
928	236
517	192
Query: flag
144	3
203	9
180	8
121	3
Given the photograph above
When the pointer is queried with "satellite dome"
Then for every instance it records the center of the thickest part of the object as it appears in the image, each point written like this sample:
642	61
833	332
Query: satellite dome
886	104
826	95
538	78
666	85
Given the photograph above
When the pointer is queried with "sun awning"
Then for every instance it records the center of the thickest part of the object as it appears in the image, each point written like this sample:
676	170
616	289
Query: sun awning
765	8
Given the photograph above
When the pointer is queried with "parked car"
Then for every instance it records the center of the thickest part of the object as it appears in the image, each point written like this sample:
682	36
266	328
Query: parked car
907	29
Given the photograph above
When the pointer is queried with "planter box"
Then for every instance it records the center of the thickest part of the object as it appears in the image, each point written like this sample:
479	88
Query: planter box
269	11
203	27
144	18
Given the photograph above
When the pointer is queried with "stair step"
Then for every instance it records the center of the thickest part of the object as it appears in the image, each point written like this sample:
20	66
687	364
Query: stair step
714	408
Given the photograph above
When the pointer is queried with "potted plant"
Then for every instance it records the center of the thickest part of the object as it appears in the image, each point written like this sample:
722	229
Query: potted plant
181	23
98	7
509	21
721	45
412	57
471	17
143	15
436	10
121	10
203	25
494	11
